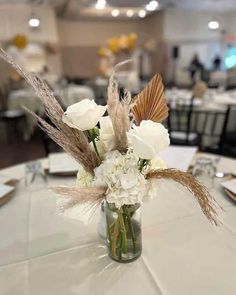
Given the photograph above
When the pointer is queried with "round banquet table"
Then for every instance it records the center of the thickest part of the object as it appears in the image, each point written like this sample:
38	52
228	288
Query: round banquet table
42	252
26	98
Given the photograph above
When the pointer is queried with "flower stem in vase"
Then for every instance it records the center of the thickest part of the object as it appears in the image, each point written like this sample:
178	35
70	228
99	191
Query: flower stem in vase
131	231
124	232
115	236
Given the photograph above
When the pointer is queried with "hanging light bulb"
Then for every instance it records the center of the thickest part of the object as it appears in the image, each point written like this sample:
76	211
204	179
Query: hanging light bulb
100	4
213	25
34	21
152	5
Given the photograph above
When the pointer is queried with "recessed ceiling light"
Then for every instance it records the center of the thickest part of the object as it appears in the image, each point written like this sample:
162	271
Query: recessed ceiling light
115	12
100	4
34	22
213	25
130	13
152	6
142	13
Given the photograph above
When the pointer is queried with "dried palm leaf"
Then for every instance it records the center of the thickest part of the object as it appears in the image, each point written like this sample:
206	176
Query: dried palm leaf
151	104
72	140
118	111
207	203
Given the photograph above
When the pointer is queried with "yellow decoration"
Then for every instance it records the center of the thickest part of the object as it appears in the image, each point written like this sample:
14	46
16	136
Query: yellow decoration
123	42
20	41
131	41
113	45
103	52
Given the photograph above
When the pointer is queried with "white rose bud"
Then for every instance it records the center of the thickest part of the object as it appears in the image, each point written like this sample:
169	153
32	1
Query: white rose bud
83	115
148	139
107	135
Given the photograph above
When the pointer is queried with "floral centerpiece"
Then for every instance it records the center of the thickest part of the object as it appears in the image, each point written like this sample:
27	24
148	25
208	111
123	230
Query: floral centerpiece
119	160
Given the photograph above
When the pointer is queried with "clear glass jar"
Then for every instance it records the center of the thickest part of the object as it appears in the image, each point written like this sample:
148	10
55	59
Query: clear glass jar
204	170
124	233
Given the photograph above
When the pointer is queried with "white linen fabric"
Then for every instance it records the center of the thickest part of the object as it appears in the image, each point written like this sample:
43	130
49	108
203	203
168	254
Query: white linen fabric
26	98
76	93
42	252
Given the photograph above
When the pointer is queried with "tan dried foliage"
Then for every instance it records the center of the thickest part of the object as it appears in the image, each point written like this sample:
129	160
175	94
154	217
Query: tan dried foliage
92	196
150	104
118	111
207	203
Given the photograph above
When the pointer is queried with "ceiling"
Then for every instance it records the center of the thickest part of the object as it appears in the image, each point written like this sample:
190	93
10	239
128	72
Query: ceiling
74	9
204	5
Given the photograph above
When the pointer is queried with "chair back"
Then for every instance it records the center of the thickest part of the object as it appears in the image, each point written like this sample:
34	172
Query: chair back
210	125
3	99
179	119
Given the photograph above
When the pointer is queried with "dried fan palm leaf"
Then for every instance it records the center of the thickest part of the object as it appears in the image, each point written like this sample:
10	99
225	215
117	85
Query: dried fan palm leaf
72	140
92	196
151	104
207	203
118	111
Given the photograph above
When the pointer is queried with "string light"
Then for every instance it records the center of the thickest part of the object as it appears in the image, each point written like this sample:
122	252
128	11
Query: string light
142	13
130	13
115	12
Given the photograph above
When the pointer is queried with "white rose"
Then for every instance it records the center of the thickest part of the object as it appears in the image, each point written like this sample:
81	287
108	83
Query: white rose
83	115
148	139
107	135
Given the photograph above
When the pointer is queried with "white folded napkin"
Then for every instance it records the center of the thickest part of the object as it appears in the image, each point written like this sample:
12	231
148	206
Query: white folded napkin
4	179
230	185
62	163
5	189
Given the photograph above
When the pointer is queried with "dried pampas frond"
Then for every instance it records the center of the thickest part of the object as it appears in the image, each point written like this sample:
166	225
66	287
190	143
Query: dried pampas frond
72	140
151	104
92	196
207	203
119	110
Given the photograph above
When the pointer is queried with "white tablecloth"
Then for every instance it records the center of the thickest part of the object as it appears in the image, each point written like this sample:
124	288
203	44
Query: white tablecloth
26	98
76	93
43	253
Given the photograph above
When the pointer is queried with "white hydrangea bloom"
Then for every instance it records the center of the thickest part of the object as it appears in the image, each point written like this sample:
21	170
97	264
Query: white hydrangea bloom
84	178
157	163
120	173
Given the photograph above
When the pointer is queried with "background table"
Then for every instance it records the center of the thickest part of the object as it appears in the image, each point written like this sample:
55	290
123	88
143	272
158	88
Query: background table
42	252
213	102
26	98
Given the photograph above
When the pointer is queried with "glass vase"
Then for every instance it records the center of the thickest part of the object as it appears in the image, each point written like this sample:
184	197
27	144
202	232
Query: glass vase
124	234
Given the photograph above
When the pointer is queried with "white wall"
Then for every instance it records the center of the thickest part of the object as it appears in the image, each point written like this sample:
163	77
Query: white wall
14	20
189	31
185	25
